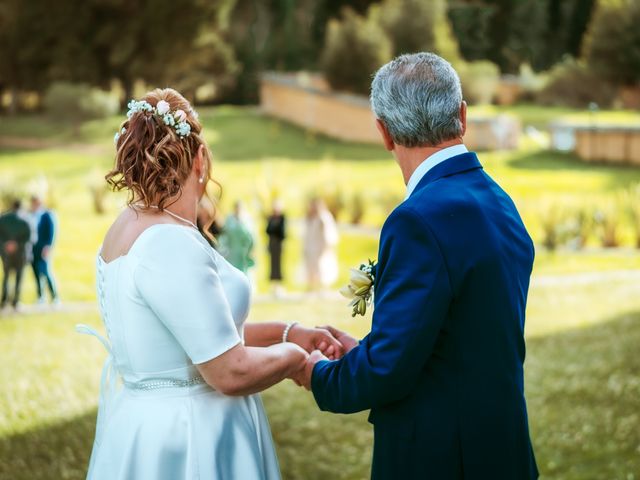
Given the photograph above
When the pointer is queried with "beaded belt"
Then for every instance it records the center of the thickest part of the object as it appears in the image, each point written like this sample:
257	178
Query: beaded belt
164	383
110	379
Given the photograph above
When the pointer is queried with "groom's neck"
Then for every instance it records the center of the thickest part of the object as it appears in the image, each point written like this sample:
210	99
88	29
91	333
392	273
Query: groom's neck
410	158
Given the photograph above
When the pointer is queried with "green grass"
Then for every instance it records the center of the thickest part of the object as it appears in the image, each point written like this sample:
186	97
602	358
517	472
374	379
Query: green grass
582	384
583	323
255	156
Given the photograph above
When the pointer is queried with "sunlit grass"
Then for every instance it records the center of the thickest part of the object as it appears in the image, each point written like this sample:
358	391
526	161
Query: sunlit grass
582	375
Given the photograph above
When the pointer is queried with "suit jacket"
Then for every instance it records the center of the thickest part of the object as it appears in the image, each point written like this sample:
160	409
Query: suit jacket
45	232
13	227
442	369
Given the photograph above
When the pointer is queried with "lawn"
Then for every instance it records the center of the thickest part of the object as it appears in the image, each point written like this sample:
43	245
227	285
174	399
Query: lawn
583	326
255	156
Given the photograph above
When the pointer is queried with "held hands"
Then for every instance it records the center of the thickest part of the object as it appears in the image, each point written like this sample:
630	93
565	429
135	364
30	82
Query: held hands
303	376
325	348
321	339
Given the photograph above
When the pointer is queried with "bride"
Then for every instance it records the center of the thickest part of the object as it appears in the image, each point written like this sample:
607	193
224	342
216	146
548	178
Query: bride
174	311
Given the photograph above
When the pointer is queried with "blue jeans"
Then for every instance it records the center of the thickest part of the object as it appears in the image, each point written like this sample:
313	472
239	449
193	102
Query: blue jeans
41	269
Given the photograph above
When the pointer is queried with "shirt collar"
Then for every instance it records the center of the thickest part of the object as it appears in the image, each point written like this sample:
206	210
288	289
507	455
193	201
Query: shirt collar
430	162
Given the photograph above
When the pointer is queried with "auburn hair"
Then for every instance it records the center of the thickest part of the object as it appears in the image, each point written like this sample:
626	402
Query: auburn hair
152	161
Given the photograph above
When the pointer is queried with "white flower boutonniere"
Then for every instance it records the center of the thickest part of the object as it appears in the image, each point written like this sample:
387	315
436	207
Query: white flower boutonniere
360	288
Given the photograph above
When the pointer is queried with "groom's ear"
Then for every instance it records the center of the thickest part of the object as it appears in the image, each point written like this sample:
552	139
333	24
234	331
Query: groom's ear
463	117
386	137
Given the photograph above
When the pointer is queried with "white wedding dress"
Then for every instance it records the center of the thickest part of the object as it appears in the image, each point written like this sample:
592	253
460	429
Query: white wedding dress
168	304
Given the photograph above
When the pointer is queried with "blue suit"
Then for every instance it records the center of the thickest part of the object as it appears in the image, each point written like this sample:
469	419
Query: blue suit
442	369
45	227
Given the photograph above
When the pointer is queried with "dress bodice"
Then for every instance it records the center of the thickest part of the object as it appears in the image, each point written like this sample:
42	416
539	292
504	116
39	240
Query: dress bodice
171	302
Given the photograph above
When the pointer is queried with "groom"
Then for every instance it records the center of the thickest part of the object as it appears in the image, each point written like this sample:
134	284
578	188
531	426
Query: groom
442	369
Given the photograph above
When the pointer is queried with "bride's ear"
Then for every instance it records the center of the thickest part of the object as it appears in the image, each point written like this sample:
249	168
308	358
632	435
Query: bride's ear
199	163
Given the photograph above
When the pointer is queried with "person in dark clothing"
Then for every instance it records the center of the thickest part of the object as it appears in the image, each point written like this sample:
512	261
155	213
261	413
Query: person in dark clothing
276	230
15	235
45	229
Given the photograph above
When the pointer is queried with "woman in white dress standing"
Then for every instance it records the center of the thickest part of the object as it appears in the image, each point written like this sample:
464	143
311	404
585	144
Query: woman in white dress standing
174	311
320	240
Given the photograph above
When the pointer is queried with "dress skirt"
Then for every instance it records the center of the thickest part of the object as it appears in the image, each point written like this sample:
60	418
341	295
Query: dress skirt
190	433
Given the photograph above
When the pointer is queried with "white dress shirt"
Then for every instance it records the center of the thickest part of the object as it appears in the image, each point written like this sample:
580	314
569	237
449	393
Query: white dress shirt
430	162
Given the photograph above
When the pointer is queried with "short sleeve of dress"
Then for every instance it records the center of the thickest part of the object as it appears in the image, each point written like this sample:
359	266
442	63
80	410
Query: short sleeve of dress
178	279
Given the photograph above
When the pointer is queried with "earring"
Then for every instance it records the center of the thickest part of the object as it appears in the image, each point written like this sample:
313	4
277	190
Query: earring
201	180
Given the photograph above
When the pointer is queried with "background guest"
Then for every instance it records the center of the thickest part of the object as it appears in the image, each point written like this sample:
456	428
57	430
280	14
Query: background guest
208	222
236	239
320	239
15	235
44	223
276	230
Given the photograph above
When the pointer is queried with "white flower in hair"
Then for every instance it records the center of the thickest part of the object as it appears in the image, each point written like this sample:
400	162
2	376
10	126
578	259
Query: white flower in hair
163	107
180	115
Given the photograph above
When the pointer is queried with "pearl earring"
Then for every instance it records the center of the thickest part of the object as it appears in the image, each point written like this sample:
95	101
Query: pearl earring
201	180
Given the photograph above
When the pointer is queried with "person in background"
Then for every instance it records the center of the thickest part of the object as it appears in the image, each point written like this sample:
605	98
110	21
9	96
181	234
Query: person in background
236	240
45	232
15	236
320	239
207	221
276	230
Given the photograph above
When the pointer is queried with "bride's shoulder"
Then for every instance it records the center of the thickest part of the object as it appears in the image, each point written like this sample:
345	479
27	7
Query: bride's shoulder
171	243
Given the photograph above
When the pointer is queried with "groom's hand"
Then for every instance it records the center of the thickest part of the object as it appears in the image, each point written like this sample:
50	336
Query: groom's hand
317	339
303	379
347	341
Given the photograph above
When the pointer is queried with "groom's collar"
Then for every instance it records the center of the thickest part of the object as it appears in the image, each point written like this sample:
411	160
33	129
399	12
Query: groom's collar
432	161
451	166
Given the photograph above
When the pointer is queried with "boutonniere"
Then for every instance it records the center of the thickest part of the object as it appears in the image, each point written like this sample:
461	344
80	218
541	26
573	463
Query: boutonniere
360	289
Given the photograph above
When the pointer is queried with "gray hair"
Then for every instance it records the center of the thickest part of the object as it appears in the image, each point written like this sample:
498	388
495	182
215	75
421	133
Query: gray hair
418	98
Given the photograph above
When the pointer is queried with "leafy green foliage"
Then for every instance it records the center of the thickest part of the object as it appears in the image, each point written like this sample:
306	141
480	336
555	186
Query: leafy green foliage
613	43
355	48
77	103
571	83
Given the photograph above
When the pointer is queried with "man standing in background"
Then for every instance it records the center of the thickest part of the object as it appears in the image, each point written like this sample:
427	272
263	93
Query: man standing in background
45	228
15	234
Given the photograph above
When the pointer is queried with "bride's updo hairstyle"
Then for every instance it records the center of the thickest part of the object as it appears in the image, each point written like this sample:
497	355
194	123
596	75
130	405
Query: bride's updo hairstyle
156	146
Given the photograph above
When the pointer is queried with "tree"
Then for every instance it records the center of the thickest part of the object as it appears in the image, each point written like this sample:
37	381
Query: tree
416	26
76	103
354	49
613	41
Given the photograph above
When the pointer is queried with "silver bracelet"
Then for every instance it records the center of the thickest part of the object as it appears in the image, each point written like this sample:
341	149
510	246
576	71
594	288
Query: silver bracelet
285	333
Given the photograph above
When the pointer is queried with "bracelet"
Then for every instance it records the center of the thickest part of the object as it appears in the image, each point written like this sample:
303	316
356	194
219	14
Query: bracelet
285	333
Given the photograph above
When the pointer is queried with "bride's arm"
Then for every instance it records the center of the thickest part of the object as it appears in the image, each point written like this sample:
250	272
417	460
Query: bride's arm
246	370
265	334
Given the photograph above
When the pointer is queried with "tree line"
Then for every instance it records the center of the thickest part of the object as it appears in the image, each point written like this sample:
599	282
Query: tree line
215	50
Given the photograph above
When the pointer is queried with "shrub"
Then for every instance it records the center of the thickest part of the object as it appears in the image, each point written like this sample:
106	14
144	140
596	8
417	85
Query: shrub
354	49
632	203
334	200
357	208
572	84
479	80
76	103
579	227
613	41
416	26
553	223
608	220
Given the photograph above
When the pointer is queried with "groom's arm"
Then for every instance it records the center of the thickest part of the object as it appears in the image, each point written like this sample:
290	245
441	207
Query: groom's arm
413	294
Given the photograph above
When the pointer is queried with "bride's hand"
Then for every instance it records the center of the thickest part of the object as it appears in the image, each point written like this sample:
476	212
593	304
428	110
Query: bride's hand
316	339
347	341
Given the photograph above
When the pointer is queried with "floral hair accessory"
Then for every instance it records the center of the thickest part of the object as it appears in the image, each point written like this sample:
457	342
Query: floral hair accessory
117	136
177	119
360	288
